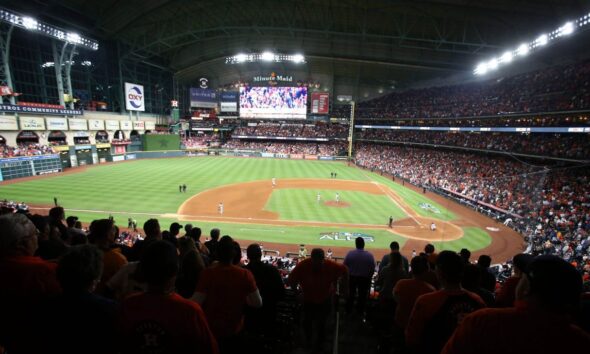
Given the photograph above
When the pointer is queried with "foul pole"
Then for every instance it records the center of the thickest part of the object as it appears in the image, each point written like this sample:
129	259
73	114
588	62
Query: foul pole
351	130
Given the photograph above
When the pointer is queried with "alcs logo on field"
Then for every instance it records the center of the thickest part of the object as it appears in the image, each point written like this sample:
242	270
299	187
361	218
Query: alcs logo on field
429	207
345	236
135	97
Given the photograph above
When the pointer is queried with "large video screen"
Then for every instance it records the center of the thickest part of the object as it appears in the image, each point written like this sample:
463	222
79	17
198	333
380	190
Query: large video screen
273	102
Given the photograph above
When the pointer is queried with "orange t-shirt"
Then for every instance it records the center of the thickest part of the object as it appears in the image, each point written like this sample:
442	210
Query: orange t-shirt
317	284
226	288
113	260
406	293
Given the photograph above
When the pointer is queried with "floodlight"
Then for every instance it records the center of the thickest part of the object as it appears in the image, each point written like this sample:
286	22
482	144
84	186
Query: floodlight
493	64
567	29
240	58
73	38
30	23
481	69
523	49
506	57
542	39
298	58
267	56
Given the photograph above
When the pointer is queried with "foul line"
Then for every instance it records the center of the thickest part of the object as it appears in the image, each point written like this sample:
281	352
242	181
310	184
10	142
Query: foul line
387	192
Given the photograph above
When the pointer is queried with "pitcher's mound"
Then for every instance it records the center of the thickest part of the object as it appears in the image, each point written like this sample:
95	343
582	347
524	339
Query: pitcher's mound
332	203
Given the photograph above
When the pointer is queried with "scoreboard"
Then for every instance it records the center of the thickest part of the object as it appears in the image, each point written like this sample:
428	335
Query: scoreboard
26	166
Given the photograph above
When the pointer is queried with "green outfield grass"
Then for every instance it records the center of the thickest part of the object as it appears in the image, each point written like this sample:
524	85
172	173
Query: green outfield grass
149	188
365	208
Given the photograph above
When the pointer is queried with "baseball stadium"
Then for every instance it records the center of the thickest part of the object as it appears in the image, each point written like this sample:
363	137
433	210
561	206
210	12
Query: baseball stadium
307	177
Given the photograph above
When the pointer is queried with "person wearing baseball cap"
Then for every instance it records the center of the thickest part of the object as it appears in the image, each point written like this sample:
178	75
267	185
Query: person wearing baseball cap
506	294
547	295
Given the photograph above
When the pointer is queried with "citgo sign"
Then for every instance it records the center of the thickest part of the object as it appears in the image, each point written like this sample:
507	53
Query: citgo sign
134	97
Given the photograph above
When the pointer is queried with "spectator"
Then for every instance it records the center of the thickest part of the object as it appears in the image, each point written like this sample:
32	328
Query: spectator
487	279
159	320
317	278
195	234
57	216
269	282
506	294
387	278
102	234
152	231
223	290
406	291
51	246
548	292
436	315
213	243
430	254
361	266
90	319
394	248
472	282
191	266
465	255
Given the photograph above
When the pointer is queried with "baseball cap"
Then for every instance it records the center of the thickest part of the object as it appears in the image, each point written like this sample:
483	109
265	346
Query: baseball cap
175	226
71	219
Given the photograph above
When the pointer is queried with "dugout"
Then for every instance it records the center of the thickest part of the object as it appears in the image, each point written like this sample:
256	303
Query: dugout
84	155
103	153
64	157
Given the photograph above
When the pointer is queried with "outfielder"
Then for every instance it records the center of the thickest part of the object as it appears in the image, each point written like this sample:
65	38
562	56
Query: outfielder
319	198
220	208
337	198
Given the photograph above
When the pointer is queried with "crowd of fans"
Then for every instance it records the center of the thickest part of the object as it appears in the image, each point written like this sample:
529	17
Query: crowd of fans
559	120
201	141
294	130
28	149
305	148
550	207
170	292
557	88
573	146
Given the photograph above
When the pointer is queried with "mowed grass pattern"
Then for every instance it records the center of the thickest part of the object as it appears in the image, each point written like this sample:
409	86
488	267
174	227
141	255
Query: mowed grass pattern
365	208
151	186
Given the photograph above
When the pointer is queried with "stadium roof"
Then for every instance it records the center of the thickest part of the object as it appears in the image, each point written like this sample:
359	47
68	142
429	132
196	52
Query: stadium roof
385	42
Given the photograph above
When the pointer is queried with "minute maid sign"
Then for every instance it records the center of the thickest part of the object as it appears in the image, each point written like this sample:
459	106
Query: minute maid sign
273	79
345	236
134	97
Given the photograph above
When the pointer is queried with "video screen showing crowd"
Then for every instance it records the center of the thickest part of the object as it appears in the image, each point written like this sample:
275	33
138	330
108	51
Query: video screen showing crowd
273	102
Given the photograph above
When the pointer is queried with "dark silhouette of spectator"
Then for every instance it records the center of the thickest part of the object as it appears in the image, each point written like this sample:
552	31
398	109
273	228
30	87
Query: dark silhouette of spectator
102	235
223	290
317	277
436	315
506	294
394	248
386	281
465	255
26	280
57	216
487	279
191	266
547	294
159	320
361	266
272	290
407	291
152	231
195	234
175	229
472	282
431	254
90	319
51	246
213	243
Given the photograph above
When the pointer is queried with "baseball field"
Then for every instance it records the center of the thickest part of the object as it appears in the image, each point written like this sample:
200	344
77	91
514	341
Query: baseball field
302	208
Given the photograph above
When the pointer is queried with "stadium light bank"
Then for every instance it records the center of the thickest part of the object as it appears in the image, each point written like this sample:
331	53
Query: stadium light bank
268	57
525	48
31	24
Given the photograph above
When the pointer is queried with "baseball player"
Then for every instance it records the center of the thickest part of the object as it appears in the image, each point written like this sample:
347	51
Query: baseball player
433	227
337	198
220	208
274	182
319	197
390	222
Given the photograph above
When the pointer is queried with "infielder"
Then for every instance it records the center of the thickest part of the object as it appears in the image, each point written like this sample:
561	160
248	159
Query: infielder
337	198
319	198
220	208
274	182
433	227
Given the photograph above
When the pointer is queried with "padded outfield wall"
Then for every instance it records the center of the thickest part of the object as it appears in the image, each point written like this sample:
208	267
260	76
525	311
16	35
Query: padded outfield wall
160	142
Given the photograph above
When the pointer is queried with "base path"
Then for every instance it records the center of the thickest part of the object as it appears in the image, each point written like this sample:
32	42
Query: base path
244	203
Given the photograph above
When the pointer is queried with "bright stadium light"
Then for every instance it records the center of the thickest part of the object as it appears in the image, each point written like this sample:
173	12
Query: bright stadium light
30	23
493	64
240	58
506	57
523	49
267	56
298	58
567	29
48	30
481	69
542	39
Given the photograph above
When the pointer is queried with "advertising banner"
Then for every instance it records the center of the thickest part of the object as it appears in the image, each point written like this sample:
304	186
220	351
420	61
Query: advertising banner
112	124
203	98
320	103
150	125
56	123
8	123
126	125
311	157
297	156
40	110
78	124
229	101
37	123
134	97
96	124
138	125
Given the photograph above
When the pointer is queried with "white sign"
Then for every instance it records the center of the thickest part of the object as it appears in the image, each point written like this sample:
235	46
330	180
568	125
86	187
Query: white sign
150	125
126	125
96	124
8	123
112	124
78	124
134	97
138	125
56	123
229	106
35	123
